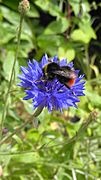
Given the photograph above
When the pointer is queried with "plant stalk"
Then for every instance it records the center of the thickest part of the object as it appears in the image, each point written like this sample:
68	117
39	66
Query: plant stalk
11	78
36	113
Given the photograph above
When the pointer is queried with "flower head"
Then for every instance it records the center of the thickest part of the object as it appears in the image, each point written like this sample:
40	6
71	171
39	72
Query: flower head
49	93
24	6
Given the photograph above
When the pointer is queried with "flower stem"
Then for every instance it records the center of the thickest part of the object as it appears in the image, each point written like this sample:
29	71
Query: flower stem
80	134
11	78
36	113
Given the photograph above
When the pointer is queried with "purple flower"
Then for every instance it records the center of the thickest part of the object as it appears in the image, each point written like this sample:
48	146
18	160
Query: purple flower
51	94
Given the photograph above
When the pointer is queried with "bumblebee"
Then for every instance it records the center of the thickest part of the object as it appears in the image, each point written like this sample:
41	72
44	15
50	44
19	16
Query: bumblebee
64	74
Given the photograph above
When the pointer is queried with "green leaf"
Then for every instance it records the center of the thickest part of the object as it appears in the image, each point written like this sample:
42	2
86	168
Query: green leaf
50	43
17	139
79	35
10	4
68	53
32	135
32	12
25	158
57	26
60	173
75	6
85	26
13	114
8	64
10	15
79	6
94	98
29	107
95	69
6	29
85	32
50	7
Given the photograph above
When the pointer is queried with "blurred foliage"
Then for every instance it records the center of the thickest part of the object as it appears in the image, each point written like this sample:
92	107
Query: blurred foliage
68	29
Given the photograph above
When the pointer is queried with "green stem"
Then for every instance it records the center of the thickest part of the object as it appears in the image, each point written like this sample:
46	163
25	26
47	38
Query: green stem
87	61
79	135
75	138
11	78
36	113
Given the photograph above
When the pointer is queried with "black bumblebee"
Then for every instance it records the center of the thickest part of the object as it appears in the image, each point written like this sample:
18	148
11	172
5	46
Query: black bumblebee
64	74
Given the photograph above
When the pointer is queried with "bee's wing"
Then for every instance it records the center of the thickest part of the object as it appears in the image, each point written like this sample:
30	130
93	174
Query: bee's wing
65	73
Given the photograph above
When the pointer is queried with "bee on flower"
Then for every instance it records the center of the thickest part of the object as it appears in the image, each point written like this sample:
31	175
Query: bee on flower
52	83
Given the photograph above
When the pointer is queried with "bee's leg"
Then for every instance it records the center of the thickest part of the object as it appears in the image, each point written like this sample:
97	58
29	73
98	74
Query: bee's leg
41	79
37	80
73	93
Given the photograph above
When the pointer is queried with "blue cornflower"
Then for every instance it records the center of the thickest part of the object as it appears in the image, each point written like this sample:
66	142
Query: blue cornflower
51	94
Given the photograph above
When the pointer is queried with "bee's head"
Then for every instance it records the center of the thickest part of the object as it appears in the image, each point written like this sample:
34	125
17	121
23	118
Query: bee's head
49	69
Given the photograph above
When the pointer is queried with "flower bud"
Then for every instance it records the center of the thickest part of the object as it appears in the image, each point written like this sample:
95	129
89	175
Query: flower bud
24	6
